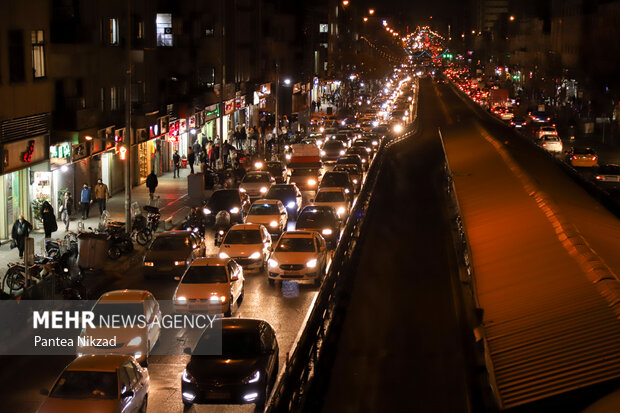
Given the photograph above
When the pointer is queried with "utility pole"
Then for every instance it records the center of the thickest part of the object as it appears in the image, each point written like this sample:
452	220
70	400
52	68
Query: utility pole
127	137
277	122
223	78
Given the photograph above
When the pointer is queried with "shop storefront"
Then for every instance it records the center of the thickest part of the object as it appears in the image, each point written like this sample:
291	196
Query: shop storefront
61	170
22	161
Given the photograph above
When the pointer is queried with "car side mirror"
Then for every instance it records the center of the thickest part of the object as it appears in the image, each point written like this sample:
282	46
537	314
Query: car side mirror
126	394
188	351
177	278
44	392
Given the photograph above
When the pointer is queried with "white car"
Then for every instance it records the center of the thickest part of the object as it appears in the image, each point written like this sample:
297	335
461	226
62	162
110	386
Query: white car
300	256
546	131
249	245
210	284
552	144
136	340
103	383
334	197
506	115
269	212
256	183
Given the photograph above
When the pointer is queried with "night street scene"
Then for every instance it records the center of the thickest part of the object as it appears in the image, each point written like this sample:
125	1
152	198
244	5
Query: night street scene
309	206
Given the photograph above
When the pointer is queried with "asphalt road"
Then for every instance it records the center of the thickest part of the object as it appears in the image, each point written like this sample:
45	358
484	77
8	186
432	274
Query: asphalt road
21	378
401	343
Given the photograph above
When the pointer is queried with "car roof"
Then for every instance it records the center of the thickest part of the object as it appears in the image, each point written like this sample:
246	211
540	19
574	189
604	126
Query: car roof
266	201
297	234
211	261
331	189
125	295
307	209
107	363
246	227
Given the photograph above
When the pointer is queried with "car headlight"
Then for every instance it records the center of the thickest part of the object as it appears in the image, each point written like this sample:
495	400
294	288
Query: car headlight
135	341
368	150
255	255
234	210
180	263
363	160
273	224
342	152
311	182
258	165
398	128
355	181
148	264
311	263
340	211
187	378
287	156
252	378
272	263
263	189
291	205
326	231
223	255
322	129
346	190
319	143
206	211
181	300
375	143
241	189
322	153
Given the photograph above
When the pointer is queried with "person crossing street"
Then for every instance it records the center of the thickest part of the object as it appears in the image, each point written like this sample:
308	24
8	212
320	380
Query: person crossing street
101	195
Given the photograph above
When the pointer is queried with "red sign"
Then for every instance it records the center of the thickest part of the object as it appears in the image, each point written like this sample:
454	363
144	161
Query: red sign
174	128
27	156
229	107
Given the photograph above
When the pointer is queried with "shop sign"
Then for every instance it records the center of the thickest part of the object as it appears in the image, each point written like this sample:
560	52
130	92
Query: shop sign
182	126
23	153
174	128
265	89
163	124
79	151
154	131
192	122
60	154
297	88
230	107
240	102
212	112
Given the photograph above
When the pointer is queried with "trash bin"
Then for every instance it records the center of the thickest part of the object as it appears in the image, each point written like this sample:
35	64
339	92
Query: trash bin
184	163
92	251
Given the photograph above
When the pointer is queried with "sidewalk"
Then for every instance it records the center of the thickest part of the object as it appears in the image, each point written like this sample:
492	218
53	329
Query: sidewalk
173	202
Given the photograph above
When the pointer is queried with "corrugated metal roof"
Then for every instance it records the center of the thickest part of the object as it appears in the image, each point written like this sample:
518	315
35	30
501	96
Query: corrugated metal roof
549	328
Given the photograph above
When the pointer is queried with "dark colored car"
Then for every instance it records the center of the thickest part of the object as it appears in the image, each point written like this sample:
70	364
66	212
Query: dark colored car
278	170
170	252
608	176
355	174
306	179
332	149
322	219
289	195
350	159
338	179
518	122
231	200
369	140
246	370
363	153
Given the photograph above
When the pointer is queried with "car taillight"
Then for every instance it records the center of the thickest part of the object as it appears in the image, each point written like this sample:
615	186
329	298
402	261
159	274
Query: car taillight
598	177
594	158
574	157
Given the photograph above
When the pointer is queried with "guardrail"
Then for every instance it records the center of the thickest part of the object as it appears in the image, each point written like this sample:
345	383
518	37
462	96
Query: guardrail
290	392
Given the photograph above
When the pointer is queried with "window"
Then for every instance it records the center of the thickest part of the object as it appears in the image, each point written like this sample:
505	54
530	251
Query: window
113	98
323	28
164	30
38	54
102	100
17	70
140	30
113	32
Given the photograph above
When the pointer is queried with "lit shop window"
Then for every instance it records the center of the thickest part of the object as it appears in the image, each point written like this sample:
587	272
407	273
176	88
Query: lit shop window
164	30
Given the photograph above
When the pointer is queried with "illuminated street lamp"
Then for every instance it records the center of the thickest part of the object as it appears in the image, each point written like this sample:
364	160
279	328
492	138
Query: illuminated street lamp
371	11
512	18
385	22
287	81
345	2
365	19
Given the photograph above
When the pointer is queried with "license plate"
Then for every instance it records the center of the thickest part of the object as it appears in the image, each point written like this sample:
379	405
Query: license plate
217	395
292	274
165	268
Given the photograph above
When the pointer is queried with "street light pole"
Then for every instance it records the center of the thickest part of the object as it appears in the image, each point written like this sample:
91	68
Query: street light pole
127	137
277	122
222	80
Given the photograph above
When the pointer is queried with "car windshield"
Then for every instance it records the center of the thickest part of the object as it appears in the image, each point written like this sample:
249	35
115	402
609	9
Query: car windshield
174	243
86	385
254	178
296	245
278	192
223	200
236	344
552	139
303	173
264	209
584	151
333	144
314	218
334	180
349	159
346	168
243	236
329	196
106	310
205	274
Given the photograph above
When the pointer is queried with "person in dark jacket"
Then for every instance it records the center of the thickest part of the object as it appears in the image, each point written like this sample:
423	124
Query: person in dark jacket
86	198
151	183
20	231
67	209
49	219
191	158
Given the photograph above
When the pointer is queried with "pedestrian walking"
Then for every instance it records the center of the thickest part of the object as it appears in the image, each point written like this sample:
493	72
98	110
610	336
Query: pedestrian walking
86	198
49	219
176	162
20	231
151	184
191	158
197	149
216	153
313	106
101	195
66	209
243	136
